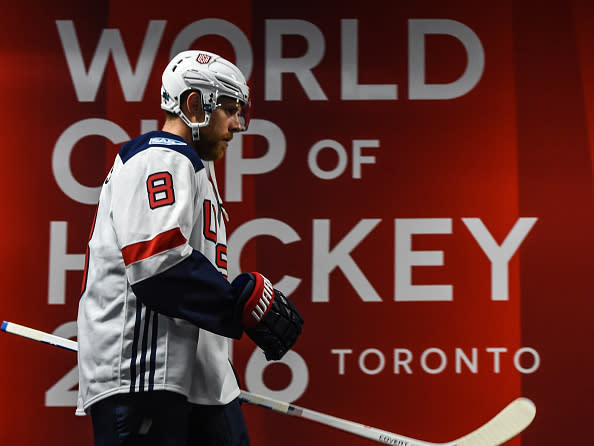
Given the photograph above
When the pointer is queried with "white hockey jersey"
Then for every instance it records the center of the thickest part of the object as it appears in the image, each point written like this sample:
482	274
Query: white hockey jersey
155	272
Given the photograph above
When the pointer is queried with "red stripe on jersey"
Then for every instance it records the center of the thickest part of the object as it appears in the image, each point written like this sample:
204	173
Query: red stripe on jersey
162	242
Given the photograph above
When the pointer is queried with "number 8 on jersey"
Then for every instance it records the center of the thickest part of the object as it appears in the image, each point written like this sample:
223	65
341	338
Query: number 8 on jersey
160	189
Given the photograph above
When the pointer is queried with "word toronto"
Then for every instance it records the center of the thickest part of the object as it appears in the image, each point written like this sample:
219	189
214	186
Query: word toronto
433	361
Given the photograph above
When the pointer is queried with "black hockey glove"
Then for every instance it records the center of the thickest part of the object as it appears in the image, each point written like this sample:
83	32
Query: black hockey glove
268	317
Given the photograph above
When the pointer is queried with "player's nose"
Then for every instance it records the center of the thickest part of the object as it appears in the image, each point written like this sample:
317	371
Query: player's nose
234	123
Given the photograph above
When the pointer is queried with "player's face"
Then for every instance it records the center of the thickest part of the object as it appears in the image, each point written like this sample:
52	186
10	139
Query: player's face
224	122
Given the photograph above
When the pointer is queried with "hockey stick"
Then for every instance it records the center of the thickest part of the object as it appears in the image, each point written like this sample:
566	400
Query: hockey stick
508	423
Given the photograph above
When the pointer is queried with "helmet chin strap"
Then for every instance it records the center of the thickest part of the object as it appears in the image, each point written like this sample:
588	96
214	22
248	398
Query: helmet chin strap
194	126
195	133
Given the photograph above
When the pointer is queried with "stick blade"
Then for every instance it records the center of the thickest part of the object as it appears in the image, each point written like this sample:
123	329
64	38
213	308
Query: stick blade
508	423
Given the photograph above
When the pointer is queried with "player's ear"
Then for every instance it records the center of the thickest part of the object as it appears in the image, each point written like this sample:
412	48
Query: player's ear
194	105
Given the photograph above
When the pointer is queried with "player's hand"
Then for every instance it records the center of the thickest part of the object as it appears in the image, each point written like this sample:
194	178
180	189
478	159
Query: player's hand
268	317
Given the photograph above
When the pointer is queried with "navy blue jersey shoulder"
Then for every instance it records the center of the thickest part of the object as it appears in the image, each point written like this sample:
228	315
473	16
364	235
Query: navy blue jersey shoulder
159	138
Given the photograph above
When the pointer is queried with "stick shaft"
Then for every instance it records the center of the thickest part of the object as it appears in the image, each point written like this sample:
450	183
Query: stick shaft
352	427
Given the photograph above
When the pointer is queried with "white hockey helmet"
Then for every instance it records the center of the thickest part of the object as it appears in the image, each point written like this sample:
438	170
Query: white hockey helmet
210	75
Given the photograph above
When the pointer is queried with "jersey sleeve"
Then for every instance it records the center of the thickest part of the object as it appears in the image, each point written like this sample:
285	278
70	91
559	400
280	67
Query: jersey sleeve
153	213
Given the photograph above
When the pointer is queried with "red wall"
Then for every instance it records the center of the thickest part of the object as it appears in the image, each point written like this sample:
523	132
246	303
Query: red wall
426	179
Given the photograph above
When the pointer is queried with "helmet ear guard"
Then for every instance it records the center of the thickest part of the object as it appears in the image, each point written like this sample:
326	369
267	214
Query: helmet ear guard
210	75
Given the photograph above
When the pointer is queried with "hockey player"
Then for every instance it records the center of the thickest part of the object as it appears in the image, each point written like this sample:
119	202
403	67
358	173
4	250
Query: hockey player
157	310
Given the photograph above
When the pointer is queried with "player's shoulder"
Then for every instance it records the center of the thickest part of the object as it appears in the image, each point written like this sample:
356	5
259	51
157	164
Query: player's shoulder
160	139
